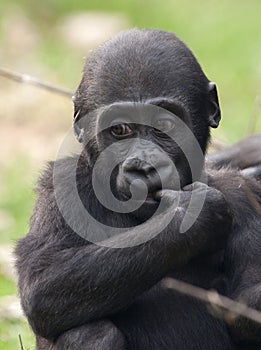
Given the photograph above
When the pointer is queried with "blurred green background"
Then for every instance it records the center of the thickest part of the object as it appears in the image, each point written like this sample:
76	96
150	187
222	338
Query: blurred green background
49	39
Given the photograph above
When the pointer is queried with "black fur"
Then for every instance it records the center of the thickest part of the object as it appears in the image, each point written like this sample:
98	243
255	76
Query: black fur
78	295
242	155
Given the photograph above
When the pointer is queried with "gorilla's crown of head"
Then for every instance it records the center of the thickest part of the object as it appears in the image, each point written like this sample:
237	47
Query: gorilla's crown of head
139	65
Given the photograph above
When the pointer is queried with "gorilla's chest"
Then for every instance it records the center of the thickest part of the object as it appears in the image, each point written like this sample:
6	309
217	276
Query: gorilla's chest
164	319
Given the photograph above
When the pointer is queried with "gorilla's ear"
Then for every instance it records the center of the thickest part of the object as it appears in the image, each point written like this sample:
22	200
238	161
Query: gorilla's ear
77	128
214	114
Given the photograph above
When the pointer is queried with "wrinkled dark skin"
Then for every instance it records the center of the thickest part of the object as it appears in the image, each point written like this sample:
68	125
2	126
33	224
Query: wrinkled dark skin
79	295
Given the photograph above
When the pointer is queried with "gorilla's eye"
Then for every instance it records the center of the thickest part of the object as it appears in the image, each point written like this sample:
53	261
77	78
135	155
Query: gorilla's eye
164	125
121	130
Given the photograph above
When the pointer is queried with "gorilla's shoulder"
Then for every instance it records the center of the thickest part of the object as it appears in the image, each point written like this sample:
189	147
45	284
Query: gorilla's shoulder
60	173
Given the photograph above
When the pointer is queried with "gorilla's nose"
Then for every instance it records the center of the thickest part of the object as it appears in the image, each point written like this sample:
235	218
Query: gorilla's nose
154	176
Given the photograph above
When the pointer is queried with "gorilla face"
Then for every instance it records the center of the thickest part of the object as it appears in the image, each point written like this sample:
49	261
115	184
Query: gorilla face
145	126
143	148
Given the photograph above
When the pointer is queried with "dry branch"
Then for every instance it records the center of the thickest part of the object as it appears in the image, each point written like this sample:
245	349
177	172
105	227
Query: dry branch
24	78
231	309
20	341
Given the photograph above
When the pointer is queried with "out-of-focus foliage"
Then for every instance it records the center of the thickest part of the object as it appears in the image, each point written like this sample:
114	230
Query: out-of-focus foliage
224	35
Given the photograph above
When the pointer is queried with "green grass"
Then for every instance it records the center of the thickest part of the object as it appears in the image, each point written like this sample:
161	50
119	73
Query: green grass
16	199
7	286
9	331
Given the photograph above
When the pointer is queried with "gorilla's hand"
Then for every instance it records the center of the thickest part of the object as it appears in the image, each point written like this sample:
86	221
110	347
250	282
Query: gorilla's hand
197	194
214	200
206	215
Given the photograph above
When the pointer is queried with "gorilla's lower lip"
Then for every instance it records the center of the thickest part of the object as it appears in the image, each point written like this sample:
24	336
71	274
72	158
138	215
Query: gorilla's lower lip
150	199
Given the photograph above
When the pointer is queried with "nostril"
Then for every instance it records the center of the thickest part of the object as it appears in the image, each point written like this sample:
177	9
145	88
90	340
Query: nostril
144	174
137	167
152	180
155	177
132	164
132	175
148	169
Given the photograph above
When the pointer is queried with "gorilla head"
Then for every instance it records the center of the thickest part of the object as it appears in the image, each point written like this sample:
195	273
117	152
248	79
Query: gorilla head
145	87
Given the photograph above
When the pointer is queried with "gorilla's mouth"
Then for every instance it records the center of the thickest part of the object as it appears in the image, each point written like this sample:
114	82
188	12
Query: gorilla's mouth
150	198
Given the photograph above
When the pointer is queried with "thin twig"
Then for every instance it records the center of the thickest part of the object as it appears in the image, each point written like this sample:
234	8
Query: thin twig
20	341
233	308
24	78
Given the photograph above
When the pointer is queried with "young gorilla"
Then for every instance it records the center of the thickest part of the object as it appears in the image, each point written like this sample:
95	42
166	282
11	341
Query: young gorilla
81	295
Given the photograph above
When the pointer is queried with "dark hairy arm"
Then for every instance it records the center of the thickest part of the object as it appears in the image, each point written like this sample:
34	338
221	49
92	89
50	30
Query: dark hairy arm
65	282
243	252
243	154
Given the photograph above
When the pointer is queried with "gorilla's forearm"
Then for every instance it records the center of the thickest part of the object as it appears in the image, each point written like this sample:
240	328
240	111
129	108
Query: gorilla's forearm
241	193
242	258
245	287
244	154
95	281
